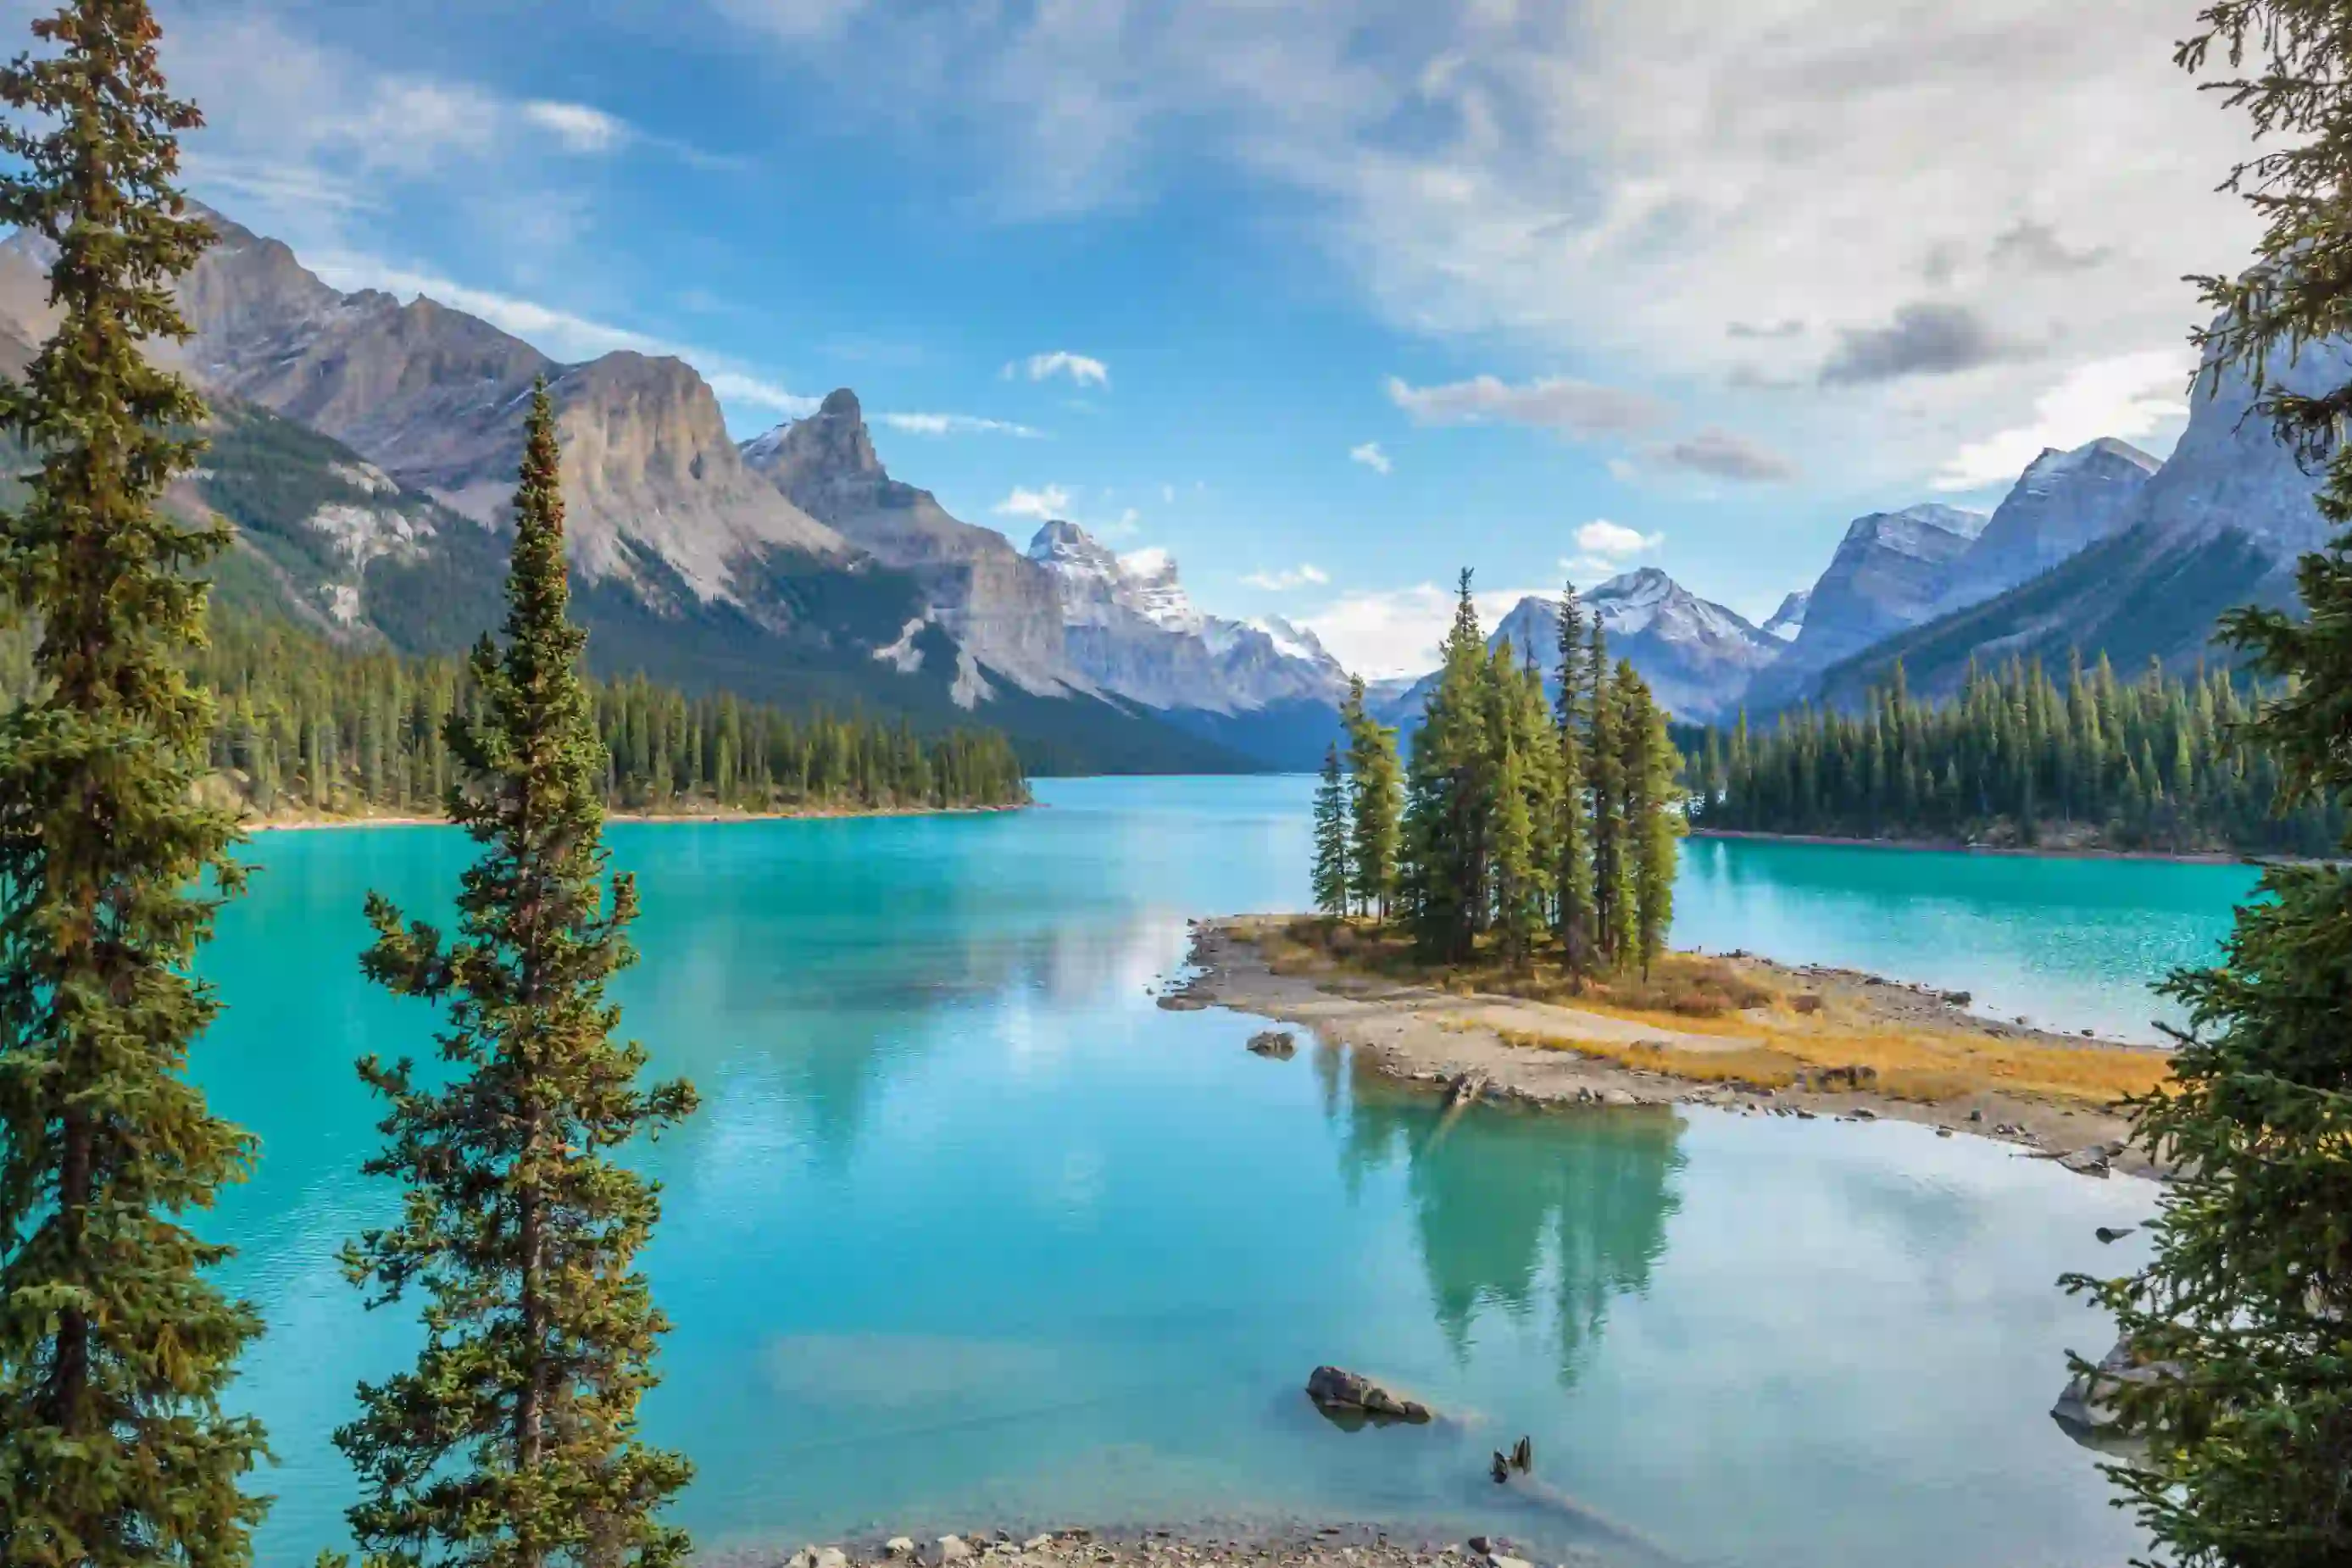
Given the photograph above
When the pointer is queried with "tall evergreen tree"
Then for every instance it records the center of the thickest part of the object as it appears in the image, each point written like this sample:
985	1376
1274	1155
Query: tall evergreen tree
1377	804
1449	801
1332	813
1605	783
1653	820
1519	868
514	1440
2249	1294
115	1349
1572	898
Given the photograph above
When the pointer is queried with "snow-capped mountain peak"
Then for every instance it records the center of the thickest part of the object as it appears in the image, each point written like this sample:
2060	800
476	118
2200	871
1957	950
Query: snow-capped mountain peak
1095	578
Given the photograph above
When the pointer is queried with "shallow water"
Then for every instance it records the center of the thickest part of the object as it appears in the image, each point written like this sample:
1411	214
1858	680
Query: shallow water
967	1231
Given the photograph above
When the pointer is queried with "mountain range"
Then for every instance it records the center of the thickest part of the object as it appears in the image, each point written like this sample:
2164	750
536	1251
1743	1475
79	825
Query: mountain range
365	449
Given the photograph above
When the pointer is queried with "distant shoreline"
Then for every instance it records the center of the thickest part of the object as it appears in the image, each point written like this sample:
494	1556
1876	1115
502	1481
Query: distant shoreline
2026	852
324	824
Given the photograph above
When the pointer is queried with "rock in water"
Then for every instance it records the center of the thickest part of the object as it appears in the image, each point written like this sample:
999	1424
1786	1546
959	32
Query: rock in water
1523	1457
1335	1388
953	1550
2086	1408
1274	1043
899	1546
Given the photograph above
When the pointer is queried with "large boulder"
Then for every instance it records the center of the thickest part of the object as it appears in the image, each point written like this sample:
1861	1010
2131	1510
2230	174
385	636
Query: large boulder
1336	1388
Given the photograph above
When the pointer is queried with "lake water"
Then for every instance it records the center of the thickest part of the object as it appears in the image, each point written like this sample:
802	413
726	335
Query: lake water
968	1232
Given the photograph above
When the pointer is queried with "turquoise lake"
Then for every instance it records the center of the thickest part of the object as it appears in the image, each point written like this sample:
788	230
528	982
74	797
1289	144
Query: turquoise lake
968	1232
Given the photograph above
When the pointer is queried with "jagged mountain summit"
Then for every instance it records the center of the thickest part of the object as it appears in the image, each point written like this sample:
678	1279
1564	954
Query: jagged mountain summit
1696	655
2220	524
655	493
1068	614
2062	504
1890	572
1131	628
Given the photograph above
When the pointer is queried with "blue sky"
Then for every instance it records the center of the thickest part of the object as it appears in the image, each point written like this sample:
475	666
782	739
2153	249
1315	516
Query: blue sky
1328	299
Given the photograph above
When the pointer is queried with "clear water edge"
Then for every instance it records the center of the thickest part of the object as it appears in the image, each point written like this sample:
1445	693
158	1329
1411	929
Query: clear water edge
969	1231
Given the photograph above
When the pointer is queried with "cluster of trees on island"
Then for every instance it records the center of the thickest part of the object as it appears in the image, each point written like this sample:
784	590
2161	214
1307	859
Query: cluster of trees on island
2162	763
1517	821
298	725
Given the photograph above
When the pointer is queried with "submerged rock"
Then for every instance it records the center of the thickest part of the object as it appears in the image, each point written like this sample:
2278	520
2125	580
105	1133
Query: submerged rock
1336	1388
1274	1043
1184	1002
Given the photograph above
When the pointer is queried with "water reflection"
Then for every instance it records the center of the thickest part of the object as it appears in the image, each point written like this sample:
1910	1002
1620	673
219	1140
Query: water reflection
1572	1207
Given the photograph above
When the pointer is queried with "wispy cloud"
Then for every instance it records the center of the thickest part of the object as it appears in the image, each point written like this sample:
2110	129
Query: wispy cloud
1390	632
1083	370
1303	575
1046	503
580	127
1561	404
954	425
1719	454
1371	456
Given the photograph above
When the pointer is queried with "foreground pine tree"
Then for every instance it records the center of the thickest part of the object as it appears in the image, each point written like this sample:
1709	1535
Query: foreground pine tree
514	1440
2250	1294
1572	896
114	1350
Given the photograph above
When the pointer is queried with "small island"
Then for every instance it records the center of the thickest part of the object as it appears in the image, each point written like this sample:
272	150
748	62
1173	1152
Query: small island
1733	1031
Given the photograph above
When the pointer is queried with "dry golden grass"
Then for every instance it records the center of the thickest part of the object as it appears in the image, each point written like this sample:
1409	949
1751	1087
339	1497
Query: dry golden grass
1687	994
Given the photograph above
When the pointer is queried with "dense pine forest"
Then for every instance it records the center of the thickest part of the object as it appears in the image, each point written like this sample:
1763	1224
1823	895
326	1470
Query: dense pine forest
302	727
2158	763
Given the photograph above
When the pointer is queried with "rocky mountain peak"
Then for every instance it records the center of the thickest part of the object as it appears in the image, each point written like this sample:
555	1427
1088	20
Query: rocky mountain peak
1928	531
1790	618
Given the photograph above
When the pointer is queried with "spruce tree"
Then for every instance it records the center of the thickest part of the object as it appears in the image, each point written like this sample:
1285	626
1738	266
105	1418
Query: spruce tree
1332	823
1572	905
1653	824
514	1439
2249	1296
115	1349
1605	782
1519	868
1450	797
1377	803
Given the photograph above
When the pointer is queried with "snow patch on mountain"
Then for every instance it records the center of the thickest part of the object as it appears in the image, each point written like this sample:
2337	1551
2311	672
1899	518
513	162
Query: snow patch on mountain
1788	620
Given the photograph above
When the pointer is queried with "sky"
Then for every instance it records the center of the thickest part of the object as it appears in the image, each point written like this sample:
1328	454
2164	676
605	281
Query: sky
1328	300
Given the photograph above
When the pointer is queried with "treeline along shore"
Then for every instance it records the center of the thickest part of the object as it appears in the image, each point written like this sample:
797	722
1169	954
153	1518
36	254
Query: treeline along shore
2164	764
304	732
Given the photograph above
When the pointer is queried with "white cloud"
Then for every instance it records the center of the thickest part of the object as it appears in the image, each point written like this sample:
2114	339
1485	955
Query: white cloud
1305	574
2128	396
1168	494
1046	503
577	126
1083	370
1555	403
1147	563
1393	632
952	424
1625	184
1372	456
1613	541
733	387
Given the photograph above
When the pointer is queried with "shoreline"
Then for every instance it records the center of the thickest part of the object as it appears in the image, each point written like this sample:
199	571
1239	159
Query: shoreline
1209	1542
2023	852
1547	1054
326	824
